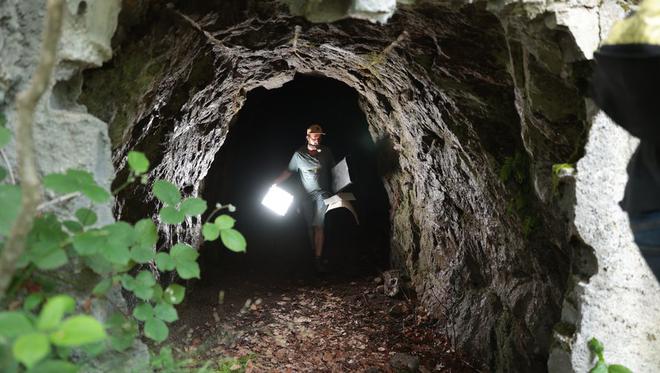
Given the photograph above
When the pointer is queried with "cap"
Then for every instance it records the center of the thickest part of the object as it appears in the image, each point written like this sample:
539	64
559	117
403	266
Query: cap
315	128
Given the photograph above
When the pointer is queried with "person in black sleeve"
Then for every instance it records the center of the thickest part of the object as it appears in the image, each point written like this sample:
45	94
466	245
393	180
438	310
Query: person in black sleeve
626	86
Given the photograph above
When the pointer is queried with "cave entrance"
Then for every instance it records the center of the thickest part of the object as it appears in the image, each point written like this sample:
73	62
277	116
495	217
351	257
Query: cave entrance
269	128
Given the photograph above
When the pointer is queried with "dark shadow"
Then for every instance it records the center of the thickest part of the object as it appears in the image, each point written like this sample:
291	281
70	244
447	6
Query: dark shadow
269	128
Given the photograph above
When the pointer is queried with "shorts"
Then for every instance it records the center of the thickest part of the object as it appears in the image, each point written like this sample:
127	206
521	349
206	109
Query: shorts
314	208
646	230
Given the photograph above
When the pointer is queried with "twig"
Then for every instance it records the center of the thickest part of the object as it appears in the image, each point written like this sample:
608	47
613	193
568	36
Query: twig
296	34
11	173
26	103
194	24
381	56
57	200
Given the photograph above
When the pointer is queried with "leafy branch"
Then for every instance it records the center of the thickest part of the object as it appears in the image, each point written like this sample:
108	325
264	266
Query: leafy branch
26	103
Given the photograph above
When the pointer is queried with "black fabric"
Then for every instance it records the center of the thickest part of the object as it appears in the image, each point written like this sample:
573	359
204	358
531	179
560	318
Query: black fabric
626	86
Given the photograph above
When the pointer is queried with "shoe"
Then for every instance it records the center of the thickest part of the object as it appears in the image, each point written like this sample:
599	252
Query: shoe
319	265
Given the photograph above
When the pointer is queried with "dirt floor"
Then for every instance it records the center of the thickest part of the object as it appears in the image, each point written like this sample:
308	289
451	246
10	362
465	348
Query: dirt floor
332	324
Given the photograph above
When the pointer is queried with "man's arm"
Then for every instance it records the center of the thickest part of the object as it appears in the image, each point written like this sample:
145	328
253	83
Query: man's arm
283	176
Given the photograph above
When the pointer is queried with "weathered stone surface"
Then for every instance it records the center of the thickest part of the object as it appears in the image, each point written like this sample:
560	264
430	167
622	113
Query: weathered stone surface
476	103
66	135
620	304
442	95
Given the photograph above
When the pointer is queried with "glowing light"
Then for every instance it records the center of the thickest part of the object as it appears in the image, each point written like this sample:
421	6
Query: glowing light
277	200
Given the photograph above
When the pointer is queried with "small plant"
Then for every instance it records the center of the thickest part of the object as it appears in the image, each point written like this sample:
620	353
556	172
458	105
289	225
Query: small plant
557	170
601	366
42	340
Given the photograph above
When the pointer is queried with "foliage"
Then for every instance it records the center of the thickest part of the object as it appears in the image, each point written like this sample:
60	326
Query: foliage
601	366
557	170
40	328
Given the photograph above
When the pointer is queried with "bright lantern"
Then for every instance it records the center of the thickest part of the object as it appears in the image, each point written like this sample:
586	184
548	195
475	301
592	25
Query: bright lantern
278	200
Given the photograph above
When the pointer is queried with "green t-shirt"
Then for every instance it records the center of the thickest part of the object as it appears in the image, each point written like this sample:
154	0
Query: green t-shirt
314	169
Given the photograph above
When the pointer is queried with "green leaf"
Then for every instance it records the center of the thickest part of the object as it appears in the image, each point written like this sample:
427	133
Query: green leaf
31	302
54	366
13	324
121	235
144	293
3	173
616	368
138	162
61	183
143	312
93	349
166	192
158	293
89	242
95	193
86	216
10	205
166	312
143	285
127	282
102	287
600	367
174	293
52	260
30	348
233	239
76	181
45	243
145	278
99	265
146	237
210	231
183	252
156	329
188	270
185	260
117	254
122	331
596	346
164	262
63	352
5	136
77	331
142	254
146	233
193	206
170	215
225	222
54	310
73	226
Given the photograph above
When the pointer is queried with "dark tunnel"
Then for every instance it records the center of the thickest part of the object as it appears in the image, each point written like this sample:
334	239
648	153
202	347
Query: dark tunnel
269	128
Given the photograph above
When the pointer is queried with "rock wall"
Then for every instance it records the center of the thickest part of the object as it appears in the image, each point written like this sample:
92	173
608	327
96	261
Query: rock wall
436	83
476	102
66	136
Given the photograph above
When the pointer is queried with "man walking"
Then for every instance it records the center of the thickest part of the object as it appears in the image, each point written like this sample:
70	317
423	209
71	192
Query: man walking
313	162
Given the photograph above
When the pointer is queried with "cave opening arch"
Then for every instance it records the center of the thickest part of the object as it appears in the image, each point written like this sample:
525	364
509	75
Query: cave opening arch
268	129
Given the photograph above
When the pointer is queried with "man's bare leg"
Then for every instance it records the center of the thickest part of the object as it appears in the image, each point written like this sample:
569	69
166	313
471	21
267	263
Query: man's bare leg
318	241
